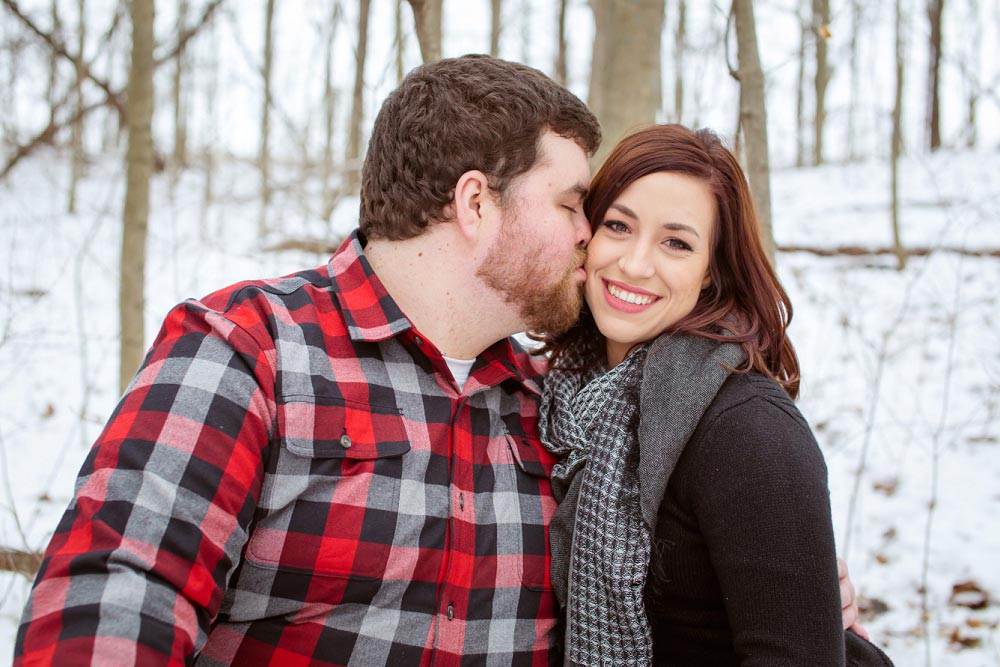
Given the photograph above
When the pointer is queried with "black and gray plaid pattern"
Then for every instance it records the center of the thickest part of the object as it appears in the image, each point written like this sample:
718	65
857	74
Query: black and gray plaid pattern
606	619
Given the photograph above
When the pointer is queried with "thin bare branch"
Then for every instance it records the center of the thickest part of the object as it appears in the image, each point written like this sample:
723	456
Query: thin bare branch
56	44
188	34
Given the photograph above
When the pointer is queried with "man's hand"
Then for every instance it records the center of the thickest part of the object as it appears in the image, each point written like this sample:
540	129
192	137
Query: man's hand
848	601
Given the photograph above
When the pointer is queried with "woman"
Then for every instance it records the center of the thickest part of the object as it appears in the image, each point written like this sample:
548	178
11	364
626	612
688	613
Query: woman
695	522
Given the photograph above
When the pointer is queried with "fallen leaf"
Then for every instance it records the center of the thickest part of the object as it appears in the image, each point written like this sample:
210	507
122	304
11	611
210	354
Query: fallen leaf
887	486
960	641
871	608
969	594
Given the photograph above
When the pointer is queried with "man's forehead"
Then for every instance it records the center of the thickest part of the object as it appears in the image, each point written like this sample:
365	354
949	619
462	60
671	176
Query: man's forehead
567	159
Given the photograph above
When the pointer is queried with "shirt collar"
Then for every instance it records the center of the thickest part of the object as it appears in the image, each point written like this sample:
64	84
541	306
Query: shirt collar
372	315
369	312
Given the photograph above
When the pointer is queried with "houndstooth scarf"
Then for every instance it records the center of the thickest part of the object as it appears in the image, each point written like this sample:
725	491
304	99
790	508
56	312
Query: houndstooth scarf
609	557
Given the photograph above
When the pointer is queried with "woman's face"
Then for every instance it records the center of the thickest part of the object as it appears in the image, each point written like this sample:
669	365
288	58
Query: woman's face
649	258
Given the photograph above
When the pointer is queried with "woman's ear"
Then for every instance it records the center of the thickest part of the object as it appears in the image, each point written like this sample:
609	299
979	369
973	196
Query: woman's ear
472	193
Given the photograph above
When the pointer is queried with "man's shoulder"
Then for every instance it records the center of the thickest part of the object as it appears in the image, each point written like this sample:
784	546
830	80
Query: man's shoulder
293	290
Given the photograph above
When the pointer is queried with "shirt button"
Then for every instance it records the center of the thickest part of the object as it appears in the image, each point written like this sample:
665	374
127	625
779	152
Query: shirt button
418	340
451	612
345	441
461	501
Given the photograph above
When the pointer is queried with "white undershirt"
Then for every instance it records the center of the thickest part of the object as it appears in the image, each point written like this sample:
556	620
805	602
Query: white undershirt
459	370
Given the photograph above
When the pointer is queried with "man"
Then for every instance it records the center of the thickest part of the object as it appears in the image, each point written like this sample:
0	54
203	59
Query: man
342	466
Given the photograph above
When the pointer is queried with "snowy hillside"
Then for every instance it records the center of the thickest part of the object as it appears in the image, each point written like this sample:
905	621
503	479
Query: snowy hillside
901	369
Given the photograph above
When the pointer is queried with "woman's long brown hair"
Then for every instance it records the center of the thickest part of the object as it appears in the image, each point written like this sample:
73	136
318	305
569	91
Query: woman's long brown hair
745	303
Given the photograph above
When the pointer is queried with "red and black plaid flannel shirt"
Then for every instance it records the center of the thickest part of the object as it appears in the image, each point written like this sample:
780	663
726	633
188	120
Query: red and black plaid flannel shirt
293	478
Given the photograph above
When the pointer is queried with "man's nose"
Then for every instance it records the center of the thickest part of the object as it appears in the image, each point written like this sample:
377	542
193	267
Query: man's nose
583	233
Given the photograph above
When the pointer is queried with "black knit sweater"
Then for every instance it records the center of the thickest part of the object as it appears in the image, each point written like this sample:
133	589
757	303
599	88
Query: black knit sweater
744	568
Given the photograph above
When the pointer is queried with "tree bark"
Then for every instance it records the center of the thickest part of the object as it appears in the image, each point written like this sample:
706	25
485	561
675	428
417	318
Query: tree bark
495	18
821	24
139	168
526	21
852	106
625	88
560	68
212	124
935	8
753	119
353	157
400	42
972	75
329	109
53	64
800	94
897	139
427	20
76	134
180	112
265	123
680	46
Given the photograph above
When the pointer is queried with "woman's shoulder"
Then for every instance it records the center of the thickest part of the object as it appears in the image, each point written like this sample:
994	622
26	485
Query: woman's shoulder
753	417
750	391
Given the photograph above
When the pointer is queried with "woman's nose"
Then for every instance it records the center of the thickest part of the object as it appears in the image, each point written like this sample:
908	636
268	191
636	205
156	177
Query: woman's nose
635	262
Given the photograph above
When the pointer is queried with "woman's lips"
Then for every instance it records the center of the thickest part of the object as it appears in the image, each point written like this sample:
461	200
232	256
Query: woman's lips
617	300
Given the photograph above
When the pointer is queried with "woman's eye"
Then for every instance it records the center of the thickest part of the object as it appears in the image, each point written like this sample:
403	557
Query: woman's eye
677	244
616	226
571	209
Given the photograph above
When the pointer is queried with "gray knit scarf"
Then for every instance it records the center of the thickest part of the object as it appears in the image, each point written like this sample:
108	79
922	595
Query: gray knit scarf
609	494
606	621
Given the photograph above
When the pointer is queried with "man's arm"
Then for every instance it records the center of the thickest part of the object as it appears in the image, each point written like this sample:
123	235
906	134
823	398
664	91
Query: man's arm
136	569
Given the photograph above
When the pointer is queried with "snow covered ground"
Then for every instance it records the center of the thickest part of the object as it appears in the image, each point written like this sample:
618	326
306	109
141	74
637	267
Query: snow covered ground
901	369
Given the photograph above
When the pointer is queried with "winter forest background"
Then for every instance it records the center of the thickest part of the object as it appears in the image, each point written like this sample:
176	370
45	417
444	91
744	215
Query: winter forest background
870	132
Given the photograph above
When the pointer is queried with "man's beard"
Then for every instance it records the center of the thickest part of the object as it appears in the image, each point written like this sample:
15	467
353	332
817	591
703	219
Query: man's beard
512	269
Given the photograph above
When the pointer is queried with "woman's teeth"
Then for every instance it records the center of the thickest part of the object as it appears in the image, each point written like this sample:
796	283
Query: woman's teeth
629	297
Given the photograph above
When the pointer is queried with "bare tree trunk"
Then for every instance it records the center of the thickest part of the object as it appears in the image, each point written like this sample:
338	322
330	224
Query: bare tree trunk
625	88
800	93
180	112
400	42
972	75
526	21
680	47
329	109
495	18
265	123
353	157
821	24
54	59
753	119
139	168
935	8
76	134
427	20
561	73
897	139
212	124
852	105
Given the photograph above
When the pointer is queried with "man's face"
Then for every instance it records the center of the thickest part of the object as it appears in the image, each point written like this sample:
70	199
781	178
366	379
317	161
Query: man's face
536	259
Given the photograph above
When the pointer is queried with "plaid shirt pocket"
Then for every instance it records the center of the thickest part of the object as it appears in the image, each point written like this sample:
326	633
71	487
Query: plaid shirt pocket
535	505
330	498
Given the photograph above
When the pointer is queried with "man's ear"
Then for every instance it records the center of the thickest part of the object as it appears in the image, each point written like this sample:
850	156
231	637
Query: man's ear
472	202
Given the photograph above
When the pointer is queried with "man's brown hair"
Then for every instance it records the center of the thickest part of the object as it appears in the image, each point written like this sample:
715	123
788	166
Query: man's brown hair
453	116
